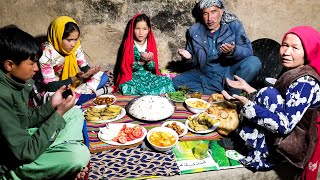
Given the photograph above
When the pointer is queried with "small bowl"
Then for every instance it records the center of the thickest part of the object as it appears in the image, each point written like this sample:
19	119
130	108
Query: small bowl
105	96
189	102
162	129
182	126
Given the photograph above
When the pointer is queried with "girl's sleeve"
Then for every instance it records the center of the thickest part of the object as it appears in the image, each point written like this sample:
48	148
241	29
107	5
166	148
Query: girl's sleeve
46	66
150	66
136	66
282	117
48	73
81	60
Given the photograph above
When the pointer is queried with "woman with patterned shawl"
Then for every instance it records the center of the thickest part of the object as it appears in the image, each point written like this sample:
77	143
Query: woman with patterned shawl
286	109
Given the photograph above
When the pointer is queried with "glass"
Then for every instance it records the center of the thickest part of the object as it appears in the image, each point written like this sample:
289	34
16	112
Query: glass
196	95
201	150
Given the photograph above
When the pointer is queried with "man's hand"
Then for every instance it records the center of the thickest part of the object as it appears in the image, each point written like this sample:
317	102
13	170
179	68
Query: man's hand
184	54
227	48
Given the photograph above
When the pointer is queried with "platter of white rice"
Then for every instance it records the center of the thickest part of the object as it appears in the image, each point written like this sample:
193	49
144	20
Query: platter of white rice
150	108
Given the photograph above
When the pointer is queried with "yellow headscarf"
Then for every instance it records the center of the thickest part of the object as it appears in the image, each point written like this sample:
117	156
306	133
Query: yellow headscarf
55	33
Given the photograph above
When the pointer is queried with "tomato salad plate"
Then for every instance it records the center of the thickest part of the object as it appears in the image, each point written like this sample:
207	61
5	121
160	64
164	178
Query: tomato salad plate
122	134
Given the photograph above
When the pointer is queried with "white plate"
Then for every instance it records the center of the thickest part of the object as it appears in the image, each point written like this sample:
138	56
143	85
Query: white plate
178	123
106	95
116	127
150	108
214	127
120	115
181	101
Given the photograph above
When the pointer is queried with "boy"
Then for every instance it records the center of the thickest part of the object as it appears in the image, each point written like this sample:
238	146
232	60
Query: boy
38	143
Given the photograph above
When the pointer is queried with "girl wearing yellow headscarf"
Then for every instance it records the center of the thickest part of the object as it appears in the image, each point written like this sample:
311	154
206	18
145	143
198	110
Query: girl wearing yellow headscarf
63	61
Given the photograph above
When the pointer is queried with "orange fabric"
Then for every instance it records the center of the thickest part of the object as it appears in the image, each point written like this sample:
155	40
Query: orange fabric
125	72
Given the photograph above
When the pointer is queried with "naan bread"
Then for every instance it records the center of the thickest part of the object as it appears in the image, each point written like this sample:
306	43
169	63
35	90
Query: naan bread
215	97
226	112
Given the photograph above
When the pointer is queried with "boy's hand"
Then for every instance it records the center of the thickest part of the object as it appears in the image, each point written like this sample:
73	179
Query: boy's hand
57	98
59	103
66	104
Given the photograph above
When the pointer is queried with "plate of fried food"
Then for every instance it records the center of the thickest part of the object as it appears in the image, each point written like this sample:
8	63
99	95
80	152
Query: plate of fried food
104	113
106	99
177	126
202	123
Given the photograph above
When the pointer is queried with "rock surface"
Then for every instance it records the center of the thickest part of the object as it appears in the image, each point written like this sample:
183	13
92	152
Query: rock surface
102	22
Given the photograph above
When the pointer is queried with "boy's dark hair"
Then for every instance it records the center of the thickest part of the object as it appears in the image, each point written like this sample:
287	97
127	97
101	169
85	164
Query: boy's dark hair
17	45
142	17
69	28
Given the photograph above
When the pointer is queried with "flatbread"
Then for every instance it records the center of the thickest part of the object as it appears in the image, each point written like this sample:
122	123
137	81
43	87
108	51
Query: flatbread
215	97
226	113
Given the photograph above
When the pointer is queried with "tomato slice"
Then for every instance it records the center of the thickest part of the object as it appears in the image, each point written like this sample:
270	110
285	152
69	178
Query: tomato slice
129	139
137	133
122	140
132	137
115	139
137	127
128	130
123	127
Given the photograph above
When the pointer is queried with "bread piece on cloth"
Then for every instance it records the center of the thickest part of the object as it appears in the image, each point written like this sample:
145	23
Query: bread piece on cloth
215	97
226	112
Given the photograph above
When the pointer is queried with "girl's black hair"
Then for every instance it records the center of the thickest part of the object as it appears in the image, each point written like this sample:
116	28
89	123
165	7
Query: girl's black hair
17	45
142	17
69	28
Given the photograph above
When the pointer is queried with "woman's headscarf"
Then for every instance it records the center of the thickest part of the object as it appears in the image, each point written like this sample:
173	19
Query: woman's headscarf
55	33
310	39
125	72
226	17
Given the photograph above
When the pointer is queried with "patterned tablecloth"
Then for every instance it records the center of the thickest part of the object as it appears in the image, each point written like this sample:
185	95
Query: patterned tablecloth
180	115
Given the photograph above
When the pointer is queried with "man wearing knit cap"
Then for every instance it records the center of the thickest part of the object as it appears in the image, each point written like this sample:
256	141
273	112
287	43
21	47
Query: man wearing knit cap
217	48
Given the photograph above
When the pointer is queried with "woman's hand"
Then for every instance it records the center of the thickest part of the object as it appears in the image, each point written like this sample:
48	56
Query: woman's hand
184	54
243	100
240	83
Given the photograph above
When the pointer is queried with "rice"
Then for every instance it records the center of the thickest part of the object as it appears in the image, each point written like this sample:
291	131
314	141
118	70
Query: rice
151	107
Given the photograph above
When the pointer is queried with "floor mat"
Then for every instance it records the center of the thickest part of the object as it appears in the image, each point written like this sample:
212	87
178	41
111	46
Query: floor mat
132	163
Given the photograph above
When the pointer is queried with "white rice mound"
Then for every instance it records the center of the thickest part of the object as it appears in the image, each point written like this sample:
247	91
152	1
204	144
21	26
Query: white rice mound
151	107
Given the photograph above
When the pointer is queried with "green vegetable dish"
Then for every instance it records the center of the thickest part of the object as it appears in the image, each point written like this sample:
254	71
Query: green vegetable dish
178	96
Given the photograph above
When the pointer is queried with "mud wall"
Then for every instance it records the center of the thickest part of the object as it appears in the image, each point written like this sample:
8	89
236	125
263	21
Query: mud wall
102	22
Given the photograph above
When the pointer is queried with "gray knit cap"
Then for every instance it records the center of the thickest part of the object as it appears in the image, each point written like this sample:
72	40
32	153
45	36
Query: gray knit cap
226	17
